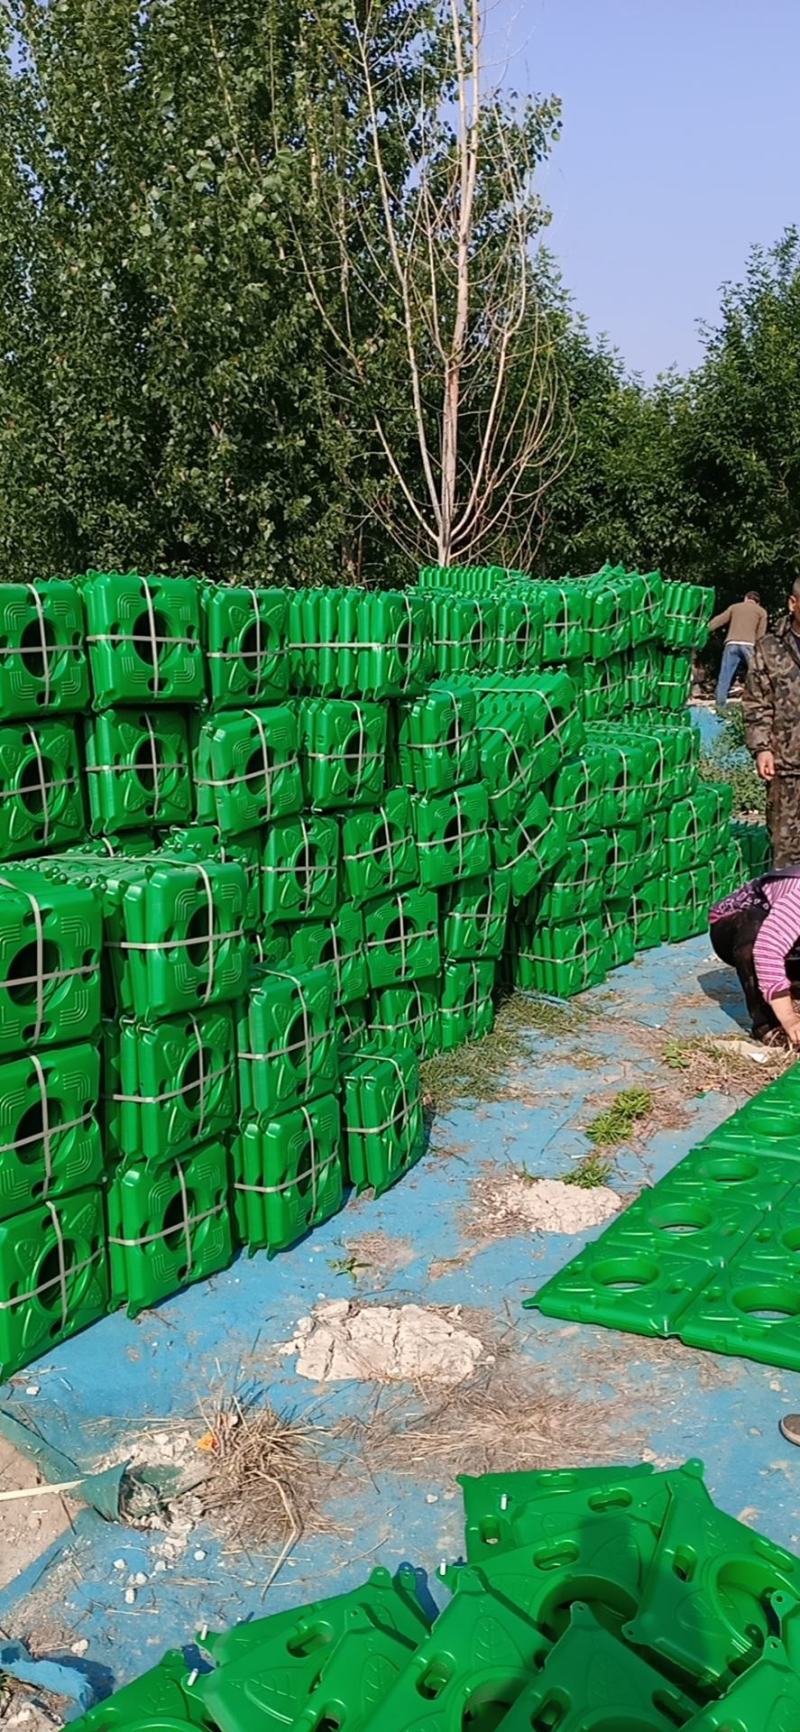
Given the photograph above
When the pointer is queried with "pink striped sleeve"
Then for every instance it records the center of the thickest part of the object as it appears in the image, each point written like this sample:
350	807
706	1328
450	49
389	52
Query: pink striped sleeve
780	931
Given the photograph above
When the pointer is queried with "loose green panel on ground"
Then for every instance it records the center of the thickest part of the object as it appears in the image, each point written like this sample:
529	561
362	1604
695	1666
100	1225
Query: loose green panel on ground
42	651
246	644
41	790
53	1276
452	834
379	852
287	1046
171	1084
168	1225
402	938
248	768
50	1139
144	639
300	869
288	1173
383	1120
138	770
344	752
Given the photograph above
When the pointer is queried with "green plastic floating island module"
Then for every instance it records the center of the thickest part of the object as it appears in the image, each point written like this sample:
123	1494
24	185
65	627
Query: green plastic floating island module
263	851
591	1600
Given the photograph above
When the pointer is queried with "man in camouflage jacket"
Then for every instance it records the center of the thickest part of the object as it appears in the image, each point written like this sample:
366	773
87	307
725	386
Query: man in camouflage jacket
771	706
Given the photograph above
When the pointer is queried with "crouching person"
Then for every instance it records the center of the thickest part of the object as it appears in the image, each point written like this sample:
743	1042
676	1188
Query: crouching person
756	930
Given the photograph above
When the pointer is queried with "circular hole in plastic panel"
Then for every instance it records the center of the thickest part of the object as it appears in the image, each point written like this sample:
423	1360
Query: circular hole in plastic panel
145	753
48	1273
255	644
488	1704
383	841
172	1225
403	640
259	763
305	866
624	1274
35	782
299	1043
680	1218
769	1304
453	833
305	1170
356	752
197	935
728	1172
29	1147
148	636
23	972
32	653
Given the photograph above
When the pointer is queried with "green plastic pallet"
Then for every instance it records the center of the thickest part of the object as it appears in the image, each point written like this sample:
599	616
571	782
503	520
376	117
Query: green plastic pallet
561	960
138	770
452	834
204	841
286	1035
169	1085
50	938
300	869
144	639
401	938
288	1174
382	1116
50	1139
246	633
437	745
475	917
344	752
53	1276
248	768
338	942
576	886
43	664
467	1002
350	643
41	792
168	1226
406	1016
379	852
526	852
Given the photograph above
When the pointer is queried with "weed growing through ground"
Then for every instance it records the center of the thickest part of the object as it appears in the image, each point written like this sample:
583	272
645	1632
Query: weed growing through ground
592	1171
475	1071
617	1122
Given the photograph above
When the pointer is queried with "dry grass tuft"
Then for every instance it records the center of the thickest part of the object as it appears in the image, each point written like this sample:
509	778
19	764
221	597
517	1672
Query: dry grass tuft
724	1065
268	1482
478	1070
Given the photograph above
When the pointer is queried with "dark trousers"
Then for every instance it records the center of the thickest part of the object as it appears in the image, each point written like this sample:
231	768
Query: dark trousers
733	938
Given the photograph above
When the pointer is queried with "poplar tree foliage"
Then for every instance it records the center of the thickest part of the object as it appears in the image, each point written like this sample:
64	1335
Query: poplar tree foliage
171	391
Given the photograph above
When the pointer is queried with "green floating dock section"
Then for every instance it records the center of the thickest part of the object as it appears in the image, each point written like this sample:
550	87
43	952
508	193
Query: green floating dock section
710	1253
263	851
591	1600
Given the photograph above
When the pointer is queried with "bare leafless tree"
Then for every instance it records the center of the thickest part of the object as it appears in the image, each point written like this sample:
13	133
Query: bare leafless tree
417	246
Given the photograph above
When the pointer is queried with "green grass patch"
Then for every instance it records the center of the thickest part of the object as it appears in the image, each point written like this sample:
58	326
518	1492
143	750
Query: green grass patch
729	761
617	1122
476	1071
592	1171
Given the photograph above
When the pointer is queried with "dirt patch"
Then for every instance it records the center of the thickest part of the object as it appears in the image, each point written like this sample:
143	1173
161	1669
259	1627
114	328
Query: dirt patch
384	1344
373	1255
512	1203
30	1525
729	1065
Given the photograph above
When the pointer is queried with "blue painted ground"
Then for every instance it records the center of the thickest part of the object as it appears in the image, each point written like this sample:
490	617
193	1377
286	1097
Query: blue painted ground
647	1398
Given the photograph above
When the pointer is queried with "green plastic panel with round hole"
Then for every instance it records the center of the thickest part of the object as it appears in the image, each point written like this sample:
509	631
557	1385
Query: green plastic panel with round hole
169	1085
474	915
138	770
50	940
407	1015
526	852
675	681
562	960
300	869
338	942
580	794
166	1697
755	846
183	944
353	1030
436	744
401	938
246	636
248	768
576	886
168	1226
50	1140
625	861
384	1129
694	825
53	1276
507	755
288	1174
687	899
590	1682
687	608
452	834
343	747
647	914
379	851
204	841
144	639
43	665
467	1002
565	622
286	1036
41	787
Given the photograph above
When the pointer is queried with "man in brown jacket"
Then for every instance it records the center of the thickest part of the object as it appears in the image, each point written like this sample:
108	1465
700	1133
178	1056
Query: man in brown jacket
747	623
771	707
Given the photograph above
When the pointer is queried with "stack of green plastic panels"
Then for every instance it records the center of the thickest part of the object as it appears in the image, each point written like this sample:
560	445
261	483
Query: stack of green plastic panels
590	1600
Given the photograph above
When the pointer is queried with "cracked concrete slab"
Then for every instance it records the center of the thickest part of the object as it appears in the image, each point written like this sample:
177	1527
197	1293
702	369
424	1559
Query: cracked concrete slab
384	1344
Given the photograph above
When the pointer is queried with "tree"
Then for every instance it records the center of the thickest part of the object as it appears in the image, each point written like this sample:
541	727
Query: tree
418	260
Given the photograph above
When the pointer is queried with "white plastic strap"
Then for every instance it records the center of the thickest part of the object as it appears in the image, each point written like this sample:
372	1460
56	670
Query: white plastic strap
155	766
37	602
44	786
47	1135
38	979
186	1225
151	619
62	1268
58	1280
211	1076
309	1041
399	1117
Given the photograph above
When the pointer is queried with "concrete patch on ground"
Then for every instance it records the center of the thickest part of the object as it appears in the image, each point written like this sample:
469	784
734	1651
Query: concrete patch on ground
514	1204
384	1344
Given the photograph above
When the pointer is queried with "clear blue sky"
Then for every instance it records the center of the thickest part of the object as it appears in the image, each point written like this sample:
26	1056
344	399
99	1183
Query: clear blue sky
680	149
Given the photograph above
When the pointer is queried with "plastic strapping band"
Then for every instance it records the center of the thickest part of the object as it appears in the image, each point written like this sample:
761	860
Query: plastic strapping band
37	979
37	602
154	765
62	1271
151	617
399	1118
188	1222
308	881
43	786
47	1134
201	1078
45	1286
259	646
211	1076
255	717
